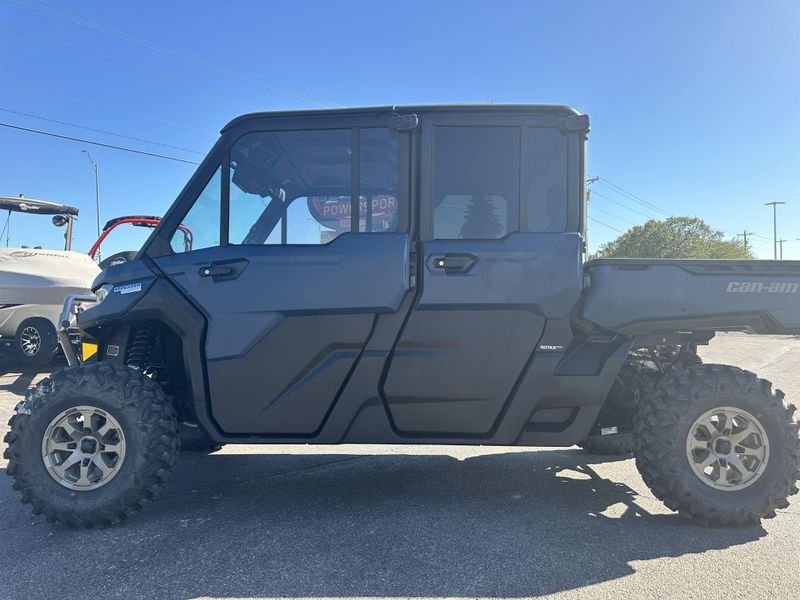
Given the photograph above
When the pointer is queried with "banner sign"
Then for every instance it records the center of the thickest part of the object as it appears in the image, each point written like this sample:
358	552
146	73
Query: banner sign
334	212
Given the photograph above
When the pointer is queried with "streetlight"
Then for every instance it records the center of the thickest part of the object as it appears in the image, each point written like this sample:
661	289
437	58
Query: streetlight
96	192
774	206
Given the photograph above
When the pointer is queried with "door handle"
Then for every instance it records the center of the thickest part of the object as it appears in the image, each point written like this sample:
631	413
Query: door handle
215	271
453	262
224	270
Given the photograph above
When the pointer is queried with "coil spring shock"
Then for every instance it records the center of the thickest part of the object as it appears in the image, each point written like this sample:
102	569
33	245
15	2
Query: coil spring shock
141	347
145	354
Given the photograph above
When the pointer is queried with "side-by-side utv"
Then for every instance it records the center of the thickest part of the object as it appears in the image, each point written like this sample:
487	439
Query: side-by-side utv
407	275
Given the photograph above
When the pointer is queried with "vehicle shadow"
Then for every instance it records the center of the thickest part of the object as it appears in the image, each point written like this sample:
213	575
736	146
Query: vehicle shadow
17	378
391	525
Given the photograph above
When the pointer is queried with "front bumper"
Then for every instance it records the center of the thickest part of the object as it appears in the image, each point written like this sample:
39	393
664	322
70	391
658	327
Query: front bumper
66	333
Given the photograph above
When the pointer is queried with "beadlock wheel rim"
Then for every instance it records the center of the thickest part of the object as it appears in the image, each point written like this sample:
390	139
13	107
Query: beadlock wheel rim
83	448
30	341
727	448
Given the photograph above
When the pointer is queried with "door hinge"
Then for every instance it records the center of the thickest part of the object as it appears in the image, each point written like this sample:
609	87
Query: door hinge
412	269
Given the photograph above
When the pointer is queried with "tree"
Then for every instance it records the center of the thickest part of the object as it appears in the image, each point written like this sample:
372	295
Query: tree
481	220
675	237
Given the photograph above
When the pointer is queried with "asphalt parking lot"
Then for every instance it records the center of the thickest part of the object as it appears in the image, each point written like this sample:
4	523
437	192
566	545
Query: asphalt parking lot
407	521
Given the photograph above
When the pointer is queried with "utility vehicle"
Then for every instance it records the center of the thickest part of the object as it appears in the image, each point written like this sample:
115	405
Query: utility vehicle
406	275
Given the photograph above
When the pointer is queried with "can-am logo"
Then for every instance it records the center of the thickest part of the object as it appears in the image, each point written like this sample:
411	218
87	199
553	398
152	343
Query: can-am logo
758	287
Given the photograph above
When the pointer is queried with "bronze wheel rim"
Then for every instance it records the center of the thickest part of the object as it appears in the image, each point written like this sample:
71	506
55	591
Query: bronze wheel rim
727	448
83	448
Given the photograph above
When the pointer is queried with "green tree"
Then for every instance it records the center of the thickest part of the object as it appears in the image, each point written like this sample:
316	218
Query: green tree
481	220
675	237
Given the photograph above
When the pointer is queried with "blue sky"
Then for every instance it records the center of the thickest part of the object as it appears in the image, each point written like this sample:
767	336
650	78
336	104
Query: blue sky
693	104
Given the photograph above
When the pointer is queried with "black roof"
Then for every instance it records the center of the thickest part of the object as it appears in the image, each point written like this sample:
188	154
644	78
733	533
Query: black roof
420	108
36	207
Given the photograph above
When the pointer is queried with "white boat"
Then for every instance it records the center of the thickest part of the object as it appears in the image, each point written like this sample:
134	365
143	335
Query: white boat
34	283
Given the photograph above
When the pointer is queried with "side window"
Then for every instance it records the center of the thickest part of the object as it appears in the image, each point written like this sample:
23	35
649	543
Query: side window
201	226
547	180
476	173
273	174
378	206
295	187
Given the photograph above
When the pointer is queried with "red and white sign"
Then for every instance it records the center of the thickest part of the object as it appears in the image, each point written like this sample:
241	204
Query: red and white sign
334	212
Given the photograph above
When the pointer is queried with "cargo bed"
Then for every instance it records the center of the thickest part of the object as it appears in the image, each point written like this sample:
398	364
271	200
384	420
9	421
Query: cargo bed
644	296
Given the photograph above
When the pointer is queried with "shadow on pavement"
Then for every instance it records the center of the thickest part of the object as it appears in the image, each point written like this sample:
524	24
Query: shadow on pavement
25	375
389	525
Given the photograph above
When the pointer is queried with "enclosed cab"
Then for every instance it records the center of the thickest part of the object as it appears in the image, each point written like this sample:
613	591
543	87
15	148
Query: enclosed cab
389	275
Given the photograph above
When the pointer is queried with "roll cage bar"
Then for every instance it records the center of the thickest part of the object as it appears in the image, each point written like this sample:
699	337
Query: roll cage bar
137	221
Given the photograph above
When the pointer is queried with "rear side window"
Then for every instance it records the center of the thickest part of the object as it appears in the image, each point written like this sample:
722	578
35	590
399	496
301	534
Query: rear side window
546	192
476	182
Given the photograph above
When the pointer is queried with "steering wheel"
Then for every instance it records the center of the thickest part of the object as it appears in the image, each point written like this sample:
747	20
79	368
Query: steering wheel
117	259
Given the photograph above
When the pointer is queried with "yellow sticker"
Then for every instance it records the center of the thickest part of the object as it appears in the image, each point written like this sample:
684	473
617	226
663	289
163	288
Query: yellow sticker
88	350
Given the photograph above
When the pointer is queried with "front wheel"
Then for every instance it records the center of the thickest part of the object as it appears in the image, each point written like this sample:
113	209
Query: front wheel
718	445
91	445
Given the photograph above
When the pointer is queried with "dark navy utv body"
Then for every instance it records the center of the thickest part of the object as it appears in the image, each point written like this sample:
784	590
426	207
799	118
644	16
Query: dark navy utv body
407	275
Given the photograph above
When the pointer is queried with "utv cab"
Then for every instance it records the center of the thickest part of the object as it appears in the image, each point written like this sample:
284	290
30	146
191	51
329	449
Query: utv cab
406	275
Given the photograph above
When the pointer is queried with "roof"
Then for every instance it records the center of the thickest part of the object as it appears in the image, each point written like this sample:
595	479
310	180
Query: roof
420	108
36	207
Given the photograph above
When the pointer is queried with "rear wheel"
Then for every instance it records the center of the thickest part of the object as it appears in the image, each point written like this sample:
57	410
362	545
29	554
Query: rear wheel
36	341
91	445
718	445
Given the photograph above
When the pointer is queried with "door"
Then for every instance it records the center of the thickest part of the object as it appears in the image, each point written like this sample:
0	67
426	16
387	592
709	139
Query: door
297	242
497	262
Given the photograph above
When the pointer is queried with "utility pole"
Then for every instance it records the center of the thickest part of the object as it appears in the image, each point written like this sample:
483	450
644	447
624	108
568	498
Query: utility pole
96	193
774	206
744	235
780	243
589	183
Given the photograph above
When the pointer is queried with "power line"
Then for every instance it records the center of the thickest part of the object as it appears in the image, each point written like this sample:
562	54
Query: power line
207	89
114	109
101	144
610	214
120	135
634	197
606	225
198	60
638	212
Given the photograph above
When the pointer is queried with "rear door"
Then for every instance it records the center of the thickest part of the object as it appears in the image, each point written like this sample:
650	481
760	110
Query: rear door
289	270
497	261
